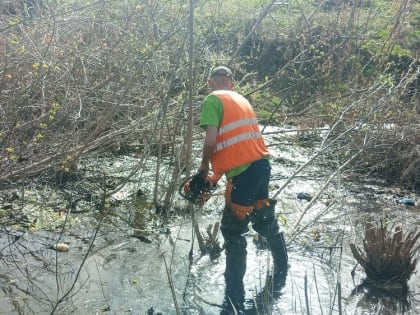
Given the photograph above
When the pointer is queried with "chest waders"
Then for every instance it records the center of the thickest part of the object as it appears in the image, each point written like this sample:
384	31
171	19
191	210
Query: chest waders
265	223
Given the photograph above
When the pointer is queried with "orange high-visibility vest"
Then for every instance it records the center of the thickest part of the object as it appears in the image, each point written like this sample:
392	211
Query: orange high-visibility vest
239	139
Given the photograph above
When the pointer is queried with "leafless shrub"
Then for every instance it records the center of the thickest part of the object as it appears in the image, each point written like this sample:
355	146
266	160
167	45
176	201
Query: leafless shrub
80	79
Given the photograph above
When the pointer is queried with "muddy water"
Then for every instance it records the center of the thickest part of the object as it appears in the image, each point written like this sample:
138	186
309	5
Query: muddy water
138	264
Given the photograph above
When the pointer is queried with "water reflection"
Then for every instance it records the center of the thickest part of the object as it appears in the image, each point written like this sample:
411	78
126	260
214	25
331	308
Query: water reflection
382	301
262	302
265	300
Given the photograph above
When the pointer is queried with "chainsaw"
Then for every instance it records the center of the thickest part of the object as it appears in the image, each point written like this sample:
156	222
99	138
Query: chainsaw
197	188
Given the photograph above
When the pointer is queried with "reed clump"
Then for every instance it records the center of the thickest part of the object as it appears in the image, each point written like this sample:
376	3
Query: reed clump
387	256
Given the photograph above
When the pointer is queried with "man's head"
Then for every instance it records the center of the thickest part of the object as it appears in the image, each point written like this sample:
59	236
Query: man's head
221	78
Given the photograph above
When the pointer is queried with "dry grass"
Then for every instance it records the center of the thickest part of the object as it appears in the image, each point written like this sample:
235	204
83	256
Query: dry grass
387	257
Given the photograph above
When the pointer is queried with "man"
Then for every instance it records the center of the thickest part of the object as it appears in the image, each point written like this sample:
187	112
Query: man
234	146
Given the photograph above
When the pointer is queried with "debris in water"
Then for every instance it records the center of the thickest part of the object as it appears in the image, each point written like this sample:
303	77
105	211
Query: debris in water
61	247
151	311
407	201
304	196
141	238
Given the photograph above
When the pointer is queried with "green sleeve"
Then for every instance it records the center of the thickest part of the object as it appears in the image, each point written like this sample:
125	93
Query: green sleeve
212	111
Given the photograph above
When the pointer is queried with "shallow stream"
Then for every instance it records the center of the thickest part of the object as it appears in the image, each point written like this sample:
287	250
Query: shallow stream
137	263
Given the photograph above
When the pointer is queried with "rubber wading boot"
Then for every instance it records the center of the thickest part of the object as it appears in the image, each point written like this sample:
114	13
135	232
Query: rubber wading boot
265	223
275	282
235	247
278	250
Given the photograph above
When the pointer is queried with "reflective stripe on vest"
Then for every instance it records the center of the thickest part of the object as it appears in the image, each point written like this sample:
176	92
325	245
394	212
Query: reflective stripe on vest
236	124
236	139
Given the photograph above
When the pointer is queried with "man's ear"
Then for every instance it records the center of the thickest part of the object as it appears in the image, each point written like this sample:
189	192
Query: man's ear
210	83
231	85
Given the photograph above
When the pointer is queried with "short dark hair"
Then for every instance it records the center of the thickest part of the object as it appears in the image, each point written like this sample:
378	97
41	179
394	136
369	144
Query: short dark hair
221	70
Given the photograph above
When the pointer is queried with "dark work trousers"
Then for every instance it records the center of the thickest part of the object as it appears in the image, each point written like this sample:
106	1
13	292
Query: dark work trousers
263	221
